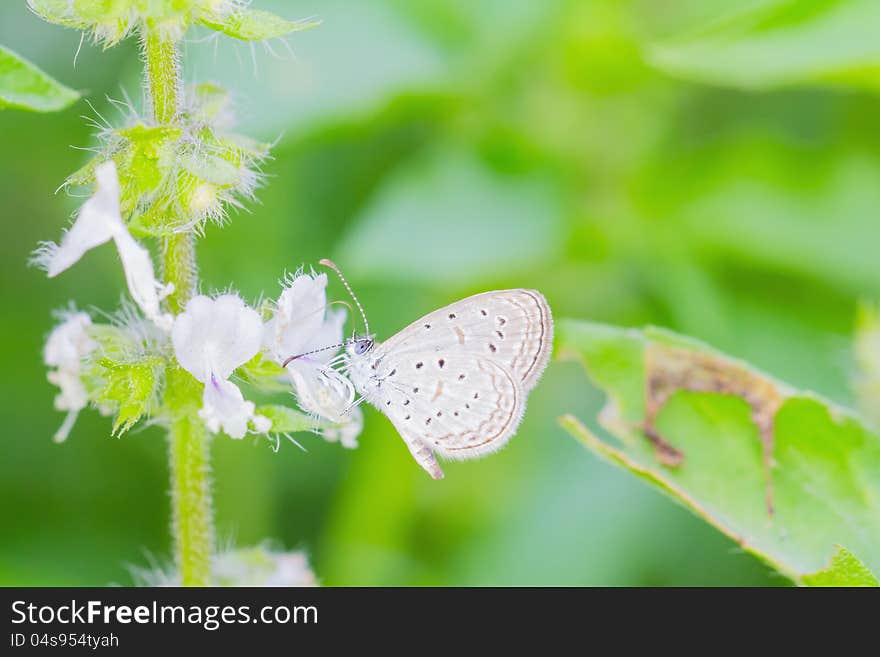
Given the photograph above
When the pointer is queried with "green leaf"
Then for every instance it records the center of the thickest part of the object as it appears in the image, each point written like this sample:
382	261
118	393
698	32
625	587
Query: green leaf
253	24
128	388
287	420
125	375
784	473
24	86
779	43
845	569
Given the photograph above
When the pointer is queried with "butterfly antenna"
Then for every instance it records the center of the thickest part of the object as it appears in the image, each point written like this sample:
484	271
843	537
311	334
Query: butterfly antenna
332	265
314	351
332	346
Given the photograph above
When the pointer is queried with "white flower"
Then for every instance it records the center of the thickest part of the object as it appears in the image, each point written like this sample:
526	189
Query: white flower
262	566
99	220
146	291
225	408
291	569
302	324
65	348
211	338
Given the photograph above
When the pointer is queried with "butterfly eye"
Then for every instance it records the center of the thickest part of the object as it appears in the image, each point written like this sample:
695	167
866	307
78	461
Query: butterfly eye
362	346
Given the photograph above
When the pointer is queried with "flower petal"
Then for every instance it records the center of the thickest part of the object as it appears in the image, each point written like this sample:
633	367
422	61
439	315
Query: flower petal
224	408
215	336
72	395
69	341
64	430
66	346
262	566
146	291
98	221
299	315
328	335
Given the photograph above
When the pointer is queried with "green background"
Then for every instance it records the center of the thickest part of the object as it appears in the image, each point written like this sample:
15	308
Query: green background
437	149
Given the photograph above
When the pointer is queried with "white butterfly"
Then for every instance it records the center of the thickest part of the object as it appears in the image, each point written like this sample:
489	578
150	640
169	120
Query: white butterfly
455	382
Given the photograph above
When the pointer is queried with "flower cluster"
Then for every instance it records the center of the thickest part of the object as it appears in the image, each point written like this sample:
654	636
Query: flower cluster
175	178
119	367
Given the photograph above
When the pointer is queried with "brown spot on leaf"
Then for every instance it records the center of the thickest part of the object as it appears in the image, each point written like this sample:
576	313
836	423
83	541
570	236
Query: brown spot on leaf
665	453
669	369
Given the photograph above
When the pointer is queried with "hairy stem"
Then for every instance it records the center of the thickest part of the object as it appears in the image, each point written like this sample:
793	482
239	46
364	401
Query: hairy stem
192	519
192	523
179	267
163	76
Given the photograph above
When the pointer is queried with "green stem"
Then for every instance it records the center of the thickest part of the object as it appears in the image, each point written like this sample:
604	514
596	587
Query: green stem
163	76
192	514
179	267
192	518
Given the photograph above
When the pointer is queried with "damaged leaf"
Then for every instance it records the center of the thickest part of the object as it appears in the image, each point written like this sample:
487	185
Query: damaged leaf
784	473
669	369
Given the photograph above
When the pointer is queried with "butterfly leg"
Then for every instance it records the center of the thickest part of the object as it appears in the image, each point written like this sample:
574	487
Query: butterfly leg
424	456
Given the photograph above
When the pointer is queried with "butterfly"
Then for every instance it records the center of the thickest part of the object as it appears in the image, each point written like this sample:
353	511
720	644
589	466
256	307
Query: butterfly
454	383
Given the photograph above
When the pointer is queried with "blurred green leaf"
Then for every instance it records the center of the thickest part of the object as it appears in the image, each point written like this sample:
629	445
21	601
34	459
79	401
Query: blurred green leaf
784	473
845	569
780	42
253	24
451	218
826	230
320	86
24	86
867	356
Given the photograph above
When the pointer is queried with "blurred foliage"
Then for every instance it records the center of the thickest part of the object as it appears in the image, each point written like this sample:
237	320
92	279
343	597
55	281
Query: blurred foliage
447	148
24	86
779	42
867	355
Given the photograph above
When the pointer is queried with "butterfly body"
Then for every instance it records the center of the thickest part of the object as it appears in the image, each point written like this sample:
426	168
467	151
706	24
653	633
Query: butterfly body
455	382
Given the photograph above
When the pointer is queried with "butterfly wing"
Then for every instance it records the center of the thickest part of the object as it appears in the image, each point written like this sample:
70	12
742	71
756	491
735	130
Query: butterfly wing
459	406
455	381
513	328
